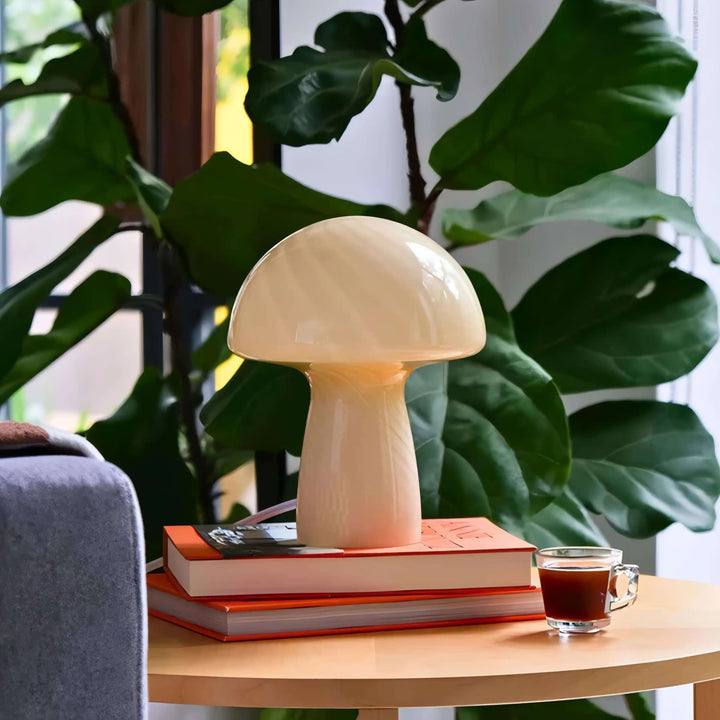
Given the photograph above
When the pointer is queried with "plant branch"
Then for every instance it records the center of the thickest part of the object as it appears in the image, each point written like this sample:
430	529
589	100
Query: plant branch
428	207
188	400
113	84
434	194
415	178
425	7
407	112
392	13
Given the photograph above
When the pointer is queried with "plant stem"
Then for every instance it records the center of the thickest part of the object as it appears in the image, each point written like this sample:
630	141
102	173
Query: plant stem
407	112
114	97
174	279
392	13
428	208
415	178
429	5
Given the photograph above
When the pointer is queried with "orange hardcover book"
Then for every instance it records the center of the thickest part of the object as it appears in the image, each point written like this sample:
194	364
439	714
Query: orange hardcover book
266	560
242	619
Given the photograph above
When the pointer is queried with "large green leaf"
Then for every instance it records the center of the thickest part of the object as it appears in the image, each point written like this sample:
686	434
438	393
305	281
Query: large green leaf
427	403
71	34
565	710
142	439
262	407
425	63
490	430
81	158
19	302
88	306
644	465
564	522
615	315
608	199
153	194
79	73
311	96
571	109
228	214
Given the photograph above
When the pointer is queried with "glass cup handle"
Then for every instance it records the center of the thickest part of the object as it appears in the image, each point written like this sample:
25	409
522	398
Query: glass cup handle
632	572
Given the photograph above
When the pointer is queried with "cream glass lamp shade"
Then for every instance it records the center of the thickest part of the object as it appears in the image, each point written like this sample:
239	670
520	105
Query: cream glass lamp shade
356	304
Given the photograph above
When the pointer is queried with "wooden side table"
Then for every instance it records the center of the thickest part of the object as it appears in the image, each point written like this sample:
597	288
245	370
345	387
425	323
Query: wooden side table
670	637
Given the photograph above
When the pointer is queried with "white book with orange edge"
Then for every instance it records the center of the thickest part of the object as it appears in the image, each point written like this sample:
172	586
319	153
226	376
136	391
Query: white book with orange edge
265	560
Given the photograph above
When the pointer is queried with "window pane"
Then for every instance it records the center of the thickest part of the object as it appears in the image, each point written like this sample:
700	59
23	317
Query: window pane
87	383
233	130
27	23
237	487
34	241
225	370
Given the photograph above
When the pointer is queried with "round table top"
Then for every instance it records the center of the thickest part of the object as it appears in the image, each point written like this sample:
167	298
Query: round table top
671	636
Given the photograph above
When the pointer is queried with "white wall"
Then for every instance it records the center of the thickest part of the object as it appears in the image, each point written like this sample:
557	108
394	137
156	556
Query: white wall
689	164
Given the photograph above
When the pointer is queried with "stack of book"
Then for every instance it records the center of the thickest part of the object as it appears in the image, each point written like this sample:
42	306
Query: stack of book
257	581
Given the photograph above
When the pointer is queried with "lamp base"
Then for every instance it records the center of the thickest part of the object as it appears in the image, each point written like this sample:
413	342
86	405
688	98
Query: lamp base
358	485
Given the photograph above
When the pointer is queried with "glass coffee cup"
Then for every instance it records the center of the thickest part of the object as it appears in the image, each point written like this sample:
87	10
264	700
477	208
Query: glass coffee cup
579	586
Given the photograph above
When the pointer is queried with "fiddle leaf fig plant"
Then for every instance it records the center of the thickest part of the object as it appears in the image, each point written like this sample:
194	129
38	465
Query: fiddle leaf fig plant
546	131
311	96
617	315
607	199
491	433
478	459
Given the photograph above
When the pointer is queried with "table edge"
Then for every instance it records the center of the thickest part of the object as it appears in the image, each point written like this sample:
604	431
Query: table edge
432	692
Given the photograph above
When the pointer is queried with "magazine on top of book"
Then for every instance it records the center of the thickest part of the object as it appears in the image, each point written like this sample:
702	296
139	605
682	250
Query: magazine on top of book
259	540
267	560
243	619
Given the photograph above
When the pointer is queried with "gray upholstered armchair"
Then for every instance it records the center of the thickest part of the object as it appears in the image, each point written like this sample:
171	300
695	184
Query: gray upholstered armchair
72	590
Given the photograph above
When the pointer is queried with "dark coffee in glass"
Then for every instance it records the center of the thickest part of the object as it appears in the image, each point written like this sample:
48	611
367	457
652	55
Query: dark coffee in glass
575	593
578	586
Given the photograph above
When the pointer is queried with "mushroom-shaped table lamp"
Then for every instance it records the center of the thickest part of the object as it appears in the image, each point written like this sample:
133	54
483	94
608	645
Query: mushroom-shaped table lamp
356	304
